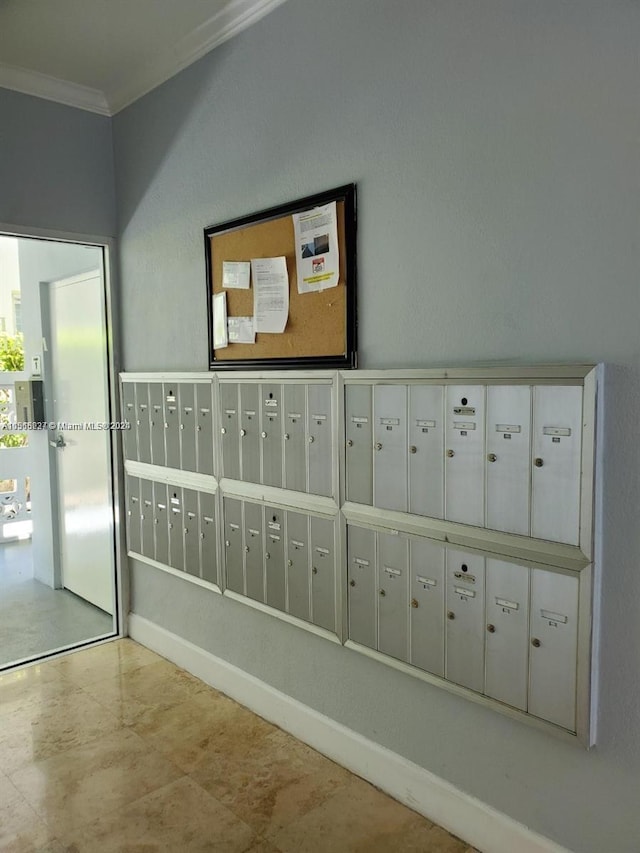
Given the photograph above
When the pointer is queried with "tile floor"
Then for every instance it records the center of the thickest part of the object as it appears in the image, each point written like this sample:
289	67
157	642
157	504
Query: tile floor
115	749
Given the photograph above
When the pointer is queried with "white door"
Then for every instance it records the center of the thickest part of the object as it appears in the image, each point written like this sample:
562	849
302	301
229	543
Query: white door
78	350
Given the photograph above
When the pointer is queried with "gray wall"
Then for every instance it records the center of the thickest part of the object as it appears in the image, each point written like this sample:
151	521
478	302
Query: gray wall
494	143
56	167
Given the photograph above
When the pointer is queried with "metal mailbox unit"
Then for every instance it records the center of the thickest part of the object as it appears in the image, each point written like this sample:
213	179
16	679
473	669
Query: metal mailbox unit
469	499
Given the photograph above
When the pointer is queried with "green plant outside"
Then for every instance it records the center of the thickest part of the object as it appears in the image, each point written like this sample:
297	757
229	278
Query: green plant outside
11	359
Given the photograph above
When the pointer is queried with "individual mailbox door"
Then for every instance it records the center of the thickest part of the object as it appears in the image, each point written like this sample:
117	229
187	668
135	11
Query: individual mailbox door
250	433
230	430
156	423
208	551
319	427
464	462
426	562
233	545
390	447
426	450
129	414
190	512
271	435
171	425
176	528
274	565
553	647
161	523
294	426
204	428
187	426
361	575
142	422
134	535
507	639
147	516
557	440
393	595
508	465
465	620
254	551
298	588
359	438
323	573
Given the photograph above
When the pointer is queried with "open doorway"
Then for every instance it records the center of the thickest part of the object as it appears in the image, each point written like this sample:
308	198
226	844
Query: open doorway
57	531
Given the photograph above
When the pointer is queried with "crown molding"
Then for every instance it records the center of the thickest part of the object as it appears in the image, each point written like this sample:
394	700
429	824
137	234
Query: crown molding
228	22
53	89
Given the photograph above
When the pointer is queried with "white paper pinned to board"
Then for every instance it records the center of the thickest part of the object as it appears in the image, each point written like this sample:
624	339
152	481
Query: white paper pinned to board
220	339
271	294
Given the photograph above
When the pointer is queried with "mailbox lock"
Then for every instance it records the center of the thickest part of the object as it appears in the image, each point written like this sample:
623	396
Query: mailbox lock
198	428
246	549
450	453
226	541
314	570
379	445
536	643
286	436
382	593
263	434
202	537
491	629
350	443
451	614
267	556
138	422
413	449
181	426
311	439
538	463
352	583
243	432
491	457
223	430
185	529
166	426
289	562
414	602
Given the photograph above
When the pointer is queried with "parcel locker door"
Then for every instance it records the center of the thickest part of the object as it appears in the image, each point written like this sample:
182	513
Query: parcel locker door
426	450
208	553
147	516
271	435
465	620
134	534
204	428
156	423
294	425
171	425
161	523
393	595
230	430
254	550
298	588
187	399
426	562
323	572
553	648
464	462
361	573
508	464
390	447
319	426
250	433
274	565
190	511
129	415
359	438
142	422
232	510
176	528
507	640
557	440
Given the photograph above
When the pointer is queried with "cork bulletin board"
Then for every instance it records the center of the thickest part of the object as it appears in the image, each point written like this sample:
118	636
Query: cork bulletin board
320	328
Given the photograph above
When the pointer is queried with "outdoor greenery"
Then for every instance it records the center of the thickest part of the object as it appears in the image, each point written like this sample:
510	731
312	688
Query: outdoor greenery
11	359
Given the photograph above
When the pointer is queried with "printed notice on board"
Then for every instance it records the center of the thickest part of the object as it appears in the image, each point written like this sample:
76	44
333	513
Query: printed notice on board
236	274
220	339
271	294
317	257
241	330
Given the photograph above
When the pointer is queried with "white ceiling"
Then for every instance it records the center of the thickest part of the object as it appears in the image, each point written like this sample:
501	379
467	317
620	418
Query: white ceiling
101	55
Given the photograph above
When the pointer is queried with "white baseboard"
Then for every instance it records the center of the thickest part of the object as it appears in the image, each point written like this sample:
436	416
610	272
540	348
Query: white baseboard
478	824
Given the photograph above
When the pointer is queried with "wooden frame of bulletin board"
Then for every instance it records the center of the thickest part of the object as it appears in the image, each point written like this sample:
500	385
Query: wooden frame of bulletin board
321	325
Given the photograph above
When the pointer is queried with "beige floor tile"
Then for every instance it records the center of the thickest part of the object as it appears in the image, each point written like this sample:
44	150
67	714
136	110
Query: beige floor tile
101	662
178	817
84	783
356	819
273	783
41	730
23	689
140	693
21	830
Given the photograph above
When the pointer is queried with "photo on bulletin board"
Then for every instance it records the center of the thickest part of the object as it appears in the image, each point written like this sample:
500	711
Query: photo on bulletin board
281	285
